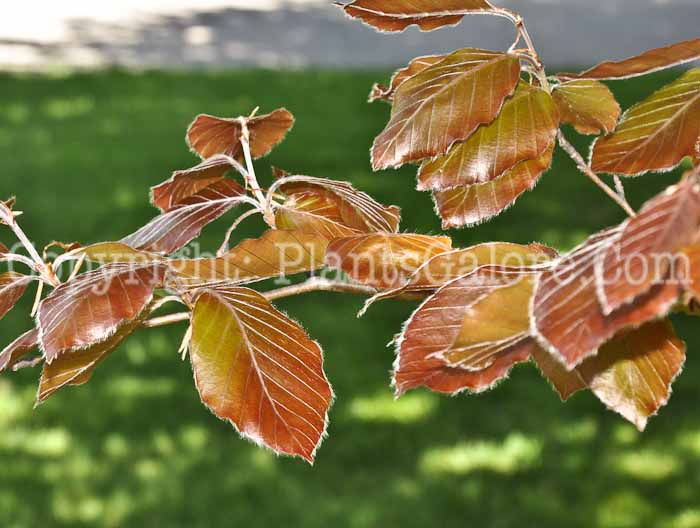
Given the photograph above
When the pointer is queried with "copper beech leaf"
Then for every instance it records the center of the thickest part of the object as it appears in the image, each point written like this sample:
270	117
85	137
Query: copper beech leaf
18	349
417	65
588	105
209	135
332	209
473	204
186	183
469	334
76	368
384	260
689	269
116	252
567	318
656	134
12	287
92	307
646	250
444	104
3	249
397	15
276	254
524	130
180	225
648	62
632	374
258	369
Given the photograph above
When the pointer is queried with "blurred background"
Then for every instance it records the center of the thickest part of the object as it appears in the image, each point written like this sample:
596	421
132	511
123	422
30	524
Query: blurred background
95	98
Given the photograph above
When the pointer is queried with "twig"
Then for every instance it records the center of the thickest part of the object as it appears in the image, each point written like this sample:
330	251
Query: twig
252	180
312	285
585	169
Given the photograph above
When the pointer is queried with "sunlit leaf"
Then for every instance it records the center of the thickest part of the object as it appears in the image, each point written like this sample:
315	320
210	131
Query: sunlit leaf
209	135
332	209
185	183
397	15
117	252
469	334
689	269
655	134
258	369
473	204
632	374
173	230
18	349
276	254
414	67
646	249
444	104
12	287
77	367
648	62
588	105
523	131
567	318
93	306
384	260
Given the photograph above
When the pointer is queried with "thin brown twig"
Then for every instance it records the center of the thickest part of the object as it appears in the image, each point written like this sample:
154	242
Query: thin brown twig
586	169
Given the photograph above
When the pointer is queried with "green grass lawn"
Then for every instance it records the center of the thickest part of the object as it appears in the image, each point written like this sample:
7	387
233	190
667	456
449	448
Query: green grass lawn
136	448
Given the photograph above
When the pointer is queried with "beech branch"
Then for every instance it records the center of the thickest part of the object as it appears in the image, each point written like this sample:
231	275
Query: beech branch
586	169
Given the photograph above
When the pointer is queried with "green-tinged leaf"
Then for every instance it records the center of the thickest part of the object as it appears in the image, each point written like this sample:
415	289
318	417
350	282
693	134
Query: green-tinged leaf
258	369
656	134
12	287
524	130
209	135
397	15
384	260
332	209
588	105
469	334
117	252
175	229
648	62
444	104
417	65
76	368
186	183
18	349
632	374
276	254
92	307
473	204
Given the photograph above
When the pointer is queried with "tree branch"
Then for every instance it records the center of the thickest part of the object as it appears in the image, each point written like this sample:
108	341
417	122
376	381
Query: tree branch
585	169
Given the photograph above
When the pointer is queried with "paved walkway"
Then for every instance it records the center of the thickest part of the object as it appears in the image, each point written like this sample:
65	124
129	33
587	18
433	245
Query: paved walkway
298	33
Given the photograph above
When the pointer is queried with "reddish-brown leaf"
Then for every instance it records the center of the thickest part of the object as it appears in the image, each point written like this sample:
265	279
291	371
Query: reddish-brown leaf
588	105
648	62
93	306
524	130
209	135
332	209
414	67
77	367
469	334
117	252
3	248
655	134
12	287
276	254
632	374
689	269
258	369
473	204
567	318
384	260
648	246
18	349
173	230
186	183
397	15
444	104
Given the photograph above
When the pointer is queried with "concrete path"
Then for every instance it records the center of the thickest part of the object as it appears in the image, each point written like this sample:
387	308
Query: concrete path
299	33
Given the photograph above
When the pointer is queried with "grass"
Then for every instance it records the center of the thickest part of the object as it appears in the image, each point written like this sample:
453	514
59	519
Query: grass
136	448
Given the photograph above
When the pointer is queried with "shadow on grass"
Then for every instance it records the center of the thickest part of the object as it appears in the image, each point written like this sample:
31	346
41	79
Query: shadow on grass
136	448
